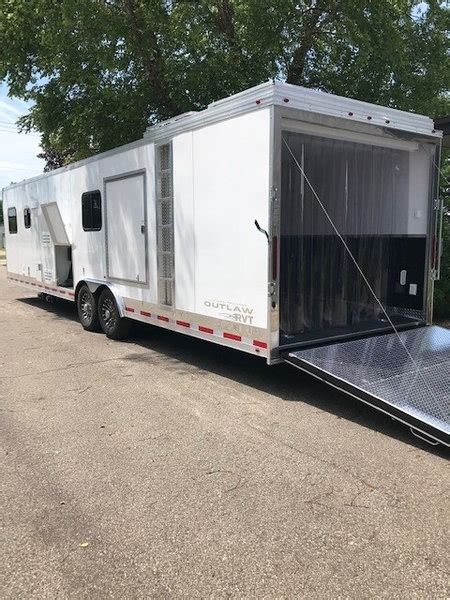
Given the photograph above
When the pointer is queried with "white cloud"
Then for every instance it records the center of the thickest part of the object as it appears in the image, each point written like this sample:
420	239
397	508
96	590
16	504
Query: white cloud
7	109
18	151
18	158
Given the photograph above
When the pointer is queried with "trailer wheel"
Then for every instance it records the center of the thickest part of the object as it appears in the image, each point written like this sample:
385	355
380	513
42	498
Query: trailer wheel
87	309
114	326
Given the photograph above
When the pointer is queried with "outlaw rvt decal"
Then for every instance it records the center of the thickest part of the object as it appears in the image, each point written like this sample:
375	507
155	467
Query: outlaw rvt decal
239	313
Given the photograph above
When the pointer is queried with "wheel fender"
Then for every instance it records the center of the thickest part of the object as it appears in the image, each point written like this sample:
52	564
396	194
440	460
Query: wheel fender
94	284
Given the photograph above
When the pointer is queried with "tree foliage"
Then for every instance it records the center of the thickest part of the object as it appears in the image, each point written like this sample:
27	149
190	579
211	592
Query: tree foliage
442	287
98	71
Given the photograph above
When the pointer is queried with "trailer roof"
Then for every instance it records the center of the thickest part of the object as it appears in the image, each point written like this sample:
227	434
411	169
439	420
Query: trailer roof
276	93
271	93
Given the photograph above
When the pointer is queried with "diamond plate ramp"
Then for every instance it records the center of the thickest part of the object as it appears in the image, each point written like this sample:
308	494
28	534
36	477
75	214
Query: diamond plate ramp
378	371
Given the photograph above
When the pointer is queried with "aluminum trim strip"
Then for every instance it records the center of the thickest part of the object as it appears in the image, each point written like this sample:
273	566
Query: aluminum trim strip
45	287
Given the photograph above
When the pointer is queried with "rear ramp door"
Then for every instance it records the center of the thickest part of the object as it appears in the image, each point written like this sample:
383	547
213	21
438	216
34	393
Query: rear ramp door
378	371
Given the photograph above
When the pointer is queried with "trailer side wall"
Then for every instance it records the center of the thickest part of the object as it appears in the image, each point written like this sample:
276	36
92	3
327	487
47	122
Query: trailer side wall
220	177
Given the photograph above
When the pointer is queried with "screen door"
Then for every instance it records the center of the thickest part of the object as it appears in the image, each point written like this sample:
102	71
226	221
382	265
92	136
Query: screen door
126	228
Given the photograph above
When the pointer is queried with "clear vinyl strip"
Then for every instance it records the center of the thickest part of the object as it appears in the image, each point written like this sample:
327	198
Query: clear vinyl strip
360	271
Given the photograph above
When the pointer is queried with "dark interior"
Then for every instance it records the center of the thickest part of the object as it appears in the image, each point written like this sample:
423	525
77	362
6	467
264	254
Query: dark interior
365	191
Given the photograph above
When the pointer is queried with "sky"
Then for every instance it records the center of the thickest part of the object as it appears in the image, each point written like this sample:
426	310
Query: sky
17	150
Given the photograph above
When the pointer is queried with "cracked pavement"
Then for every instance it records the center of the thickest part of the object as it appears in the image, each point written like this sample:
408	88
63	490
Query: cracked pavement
165	466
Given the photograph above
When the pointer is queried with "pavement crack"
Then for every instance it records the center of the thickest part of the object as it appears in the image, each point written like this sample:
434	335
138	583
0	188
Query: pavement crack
324	461
214	471
59	369
352	504
151	438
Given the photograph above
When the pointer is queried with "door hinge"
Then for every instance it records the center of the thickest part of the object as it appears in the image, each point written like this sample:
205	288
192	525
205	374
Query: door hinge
274	194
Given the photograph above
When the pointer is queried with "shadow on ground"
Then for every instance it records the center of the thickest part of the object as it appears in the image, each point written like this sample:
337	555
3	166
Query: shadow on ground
184	354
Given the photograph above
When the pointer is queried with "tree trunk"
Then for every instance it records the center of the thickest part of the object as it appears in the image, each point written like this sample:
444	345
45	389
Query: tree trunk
315	20
148	48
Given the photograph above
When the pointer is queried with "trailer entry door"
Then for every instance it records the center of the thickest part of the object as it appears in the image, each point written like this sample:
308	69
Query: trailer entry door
126	228
378	371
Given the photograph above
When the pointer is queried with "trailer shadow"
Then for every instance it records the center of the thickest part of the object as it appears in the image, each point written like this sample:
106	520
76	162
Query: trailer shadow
58	308
183	354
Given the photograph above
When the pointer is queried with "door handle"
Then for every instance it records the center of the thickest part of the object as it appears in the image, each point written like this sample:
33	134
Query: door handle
143	228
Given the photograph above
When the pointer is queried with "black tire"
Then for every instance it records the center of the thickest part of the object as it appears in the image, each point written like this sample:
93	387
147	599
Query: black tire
113	325
87	309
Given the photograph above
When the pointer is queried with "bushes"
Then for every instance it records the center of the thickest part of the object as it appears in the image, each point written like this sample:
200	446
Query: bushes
442	287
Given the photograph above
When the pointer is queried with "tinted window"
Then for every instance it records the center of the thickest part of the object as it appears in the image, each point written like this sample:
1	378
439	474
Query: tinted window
27	218
91	207
12	220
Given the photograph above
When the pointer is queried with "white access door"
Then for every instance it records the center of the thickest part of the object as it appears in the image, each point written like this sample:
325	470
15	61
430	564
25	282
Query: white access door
126	227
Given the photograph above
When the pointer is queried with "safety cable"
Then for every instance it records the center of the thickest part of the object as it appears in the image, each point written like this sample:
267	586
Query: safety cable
355	262
423	148
440	172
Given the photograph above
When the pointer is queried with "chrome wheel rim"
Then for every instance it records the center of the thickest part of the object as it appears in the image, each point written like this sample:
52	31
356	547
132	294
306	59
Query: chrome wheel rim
86	308
108	313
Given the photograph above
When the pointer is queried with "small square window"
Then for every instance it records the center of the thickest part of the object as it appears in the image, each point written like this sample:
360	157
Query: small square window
12	220
27	218
91	209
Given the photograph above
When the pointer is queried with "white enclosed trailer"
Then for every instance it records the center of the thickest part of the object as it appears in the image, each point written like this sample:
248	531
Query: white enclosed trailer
285	222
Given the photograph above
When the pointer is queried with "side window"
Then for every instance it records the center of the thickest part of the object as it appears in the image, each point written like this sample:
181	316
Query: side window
12	220
27	218
91	210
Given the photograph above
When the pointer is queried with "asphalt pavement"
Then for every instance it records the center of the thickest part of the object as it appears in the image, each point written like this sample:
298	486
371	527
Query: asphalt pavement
167	467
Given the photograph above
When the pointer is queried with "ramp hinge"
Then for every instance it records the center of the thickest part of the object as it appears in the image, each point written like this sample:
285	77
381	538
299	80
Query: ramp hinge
424	437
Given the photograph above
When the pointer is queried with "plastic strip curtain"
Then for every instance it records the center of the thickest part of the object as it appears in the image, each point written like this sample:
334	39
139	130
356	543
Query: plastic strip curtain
365	190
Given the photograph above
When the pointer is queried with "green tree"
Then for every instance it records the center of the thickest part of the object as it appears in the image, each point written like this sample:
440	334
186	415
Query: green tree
98	71
442	287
